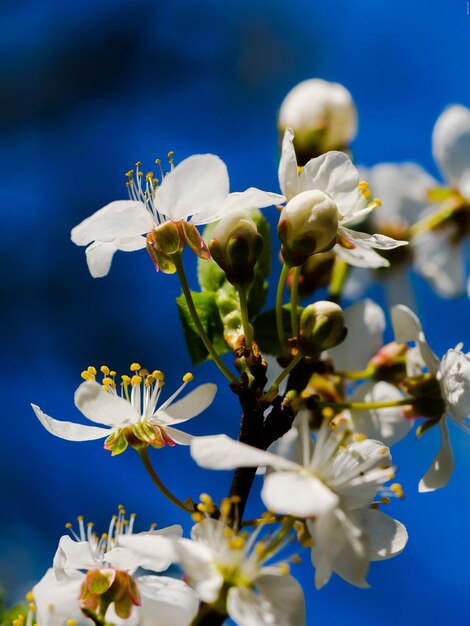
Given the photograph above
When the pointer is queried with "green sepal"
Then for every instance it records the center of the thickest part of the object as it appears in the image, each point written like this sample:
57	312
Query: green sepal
99	581
116	442
206	305
425	426
266	331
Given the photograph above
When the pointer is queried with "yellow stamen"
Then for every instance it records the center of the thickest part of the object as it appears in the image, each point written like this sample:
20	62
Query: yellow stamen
104	370
187	378
135	367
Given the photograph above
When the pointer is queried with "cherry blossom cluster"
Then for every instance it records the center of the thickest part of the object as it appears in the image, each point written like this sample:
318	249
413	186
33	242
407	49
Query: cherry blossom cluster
322	396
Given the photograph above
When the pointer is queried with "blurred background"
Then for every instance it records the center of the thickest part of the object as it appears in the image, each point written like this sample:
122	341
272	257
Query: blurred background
88	88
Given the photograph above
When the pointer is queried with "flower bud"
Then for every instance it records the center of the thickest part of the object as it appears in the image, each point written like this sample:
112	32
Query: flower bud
308	224
235	246
321	114
321	327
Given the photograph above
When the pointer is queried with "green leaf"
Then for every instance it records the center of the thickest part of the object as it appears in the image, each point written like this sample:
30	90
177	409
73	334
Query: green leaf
8	616
206	306
266	331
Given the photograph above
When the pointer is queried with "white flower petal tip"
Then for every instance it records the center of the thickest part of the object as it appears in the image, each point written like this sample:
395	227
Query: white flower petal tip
221	452
191	405
69	430
441	469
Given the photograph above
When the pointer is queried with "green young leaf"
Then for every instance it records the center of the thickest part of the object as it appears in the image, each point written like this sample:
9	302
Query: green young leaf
8	616
266	332
209	315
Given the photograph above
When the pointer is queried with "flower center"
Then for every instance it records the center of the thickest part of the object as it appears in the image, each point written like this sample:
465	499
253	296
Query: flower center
142	187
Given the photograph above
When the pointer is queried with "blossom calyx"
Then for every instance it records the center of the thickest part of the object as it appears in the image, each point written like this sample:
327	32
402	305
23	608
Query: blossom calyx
169	239
106	586
235	246
308	224
321	327
322	115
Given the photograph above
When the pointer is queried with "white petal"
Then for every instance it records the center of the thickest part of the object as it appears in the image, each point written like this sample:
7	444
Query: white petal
221	452
441	261
117	220
377	241
197	561
99	254
194	186
335	174
279	603
247	200
194	403
402	188
438	475
69	430
406	325
361	256
288	176
365	322
454	379
387	425
386	537
339	546
451	143
178	436
166	601
72	555
293	493
152	550
57	601
104	407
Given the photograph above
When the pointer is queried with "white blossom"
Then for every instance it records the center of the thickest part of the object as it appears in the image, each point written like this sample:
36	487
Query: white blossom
136	407
195	191
330	483
160	600
452	374
334	177
260	593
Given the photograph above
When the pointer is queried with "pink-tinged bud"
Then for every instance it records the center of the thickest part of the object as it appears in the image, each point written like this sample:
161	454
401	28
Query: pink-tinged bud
321	114
235	246
321	327
308	224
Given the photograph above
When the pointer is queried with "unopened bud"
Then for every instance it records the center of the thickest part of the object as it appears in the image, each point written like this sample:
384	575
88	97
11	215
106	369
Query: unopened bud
235	246
321	327
321	114
308	224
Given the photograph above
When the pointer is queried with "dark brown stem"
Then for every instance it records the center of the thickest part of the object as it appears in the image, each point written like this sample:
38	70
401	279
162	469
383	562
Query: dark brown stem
208	616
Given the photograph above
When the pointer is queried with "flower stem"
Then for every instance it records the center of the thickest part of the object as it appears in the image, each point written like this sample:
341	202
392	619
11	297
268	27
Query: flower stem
245	319
285	372
294	301
338	279
197	322
366	406
359	374
279	294
144	455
